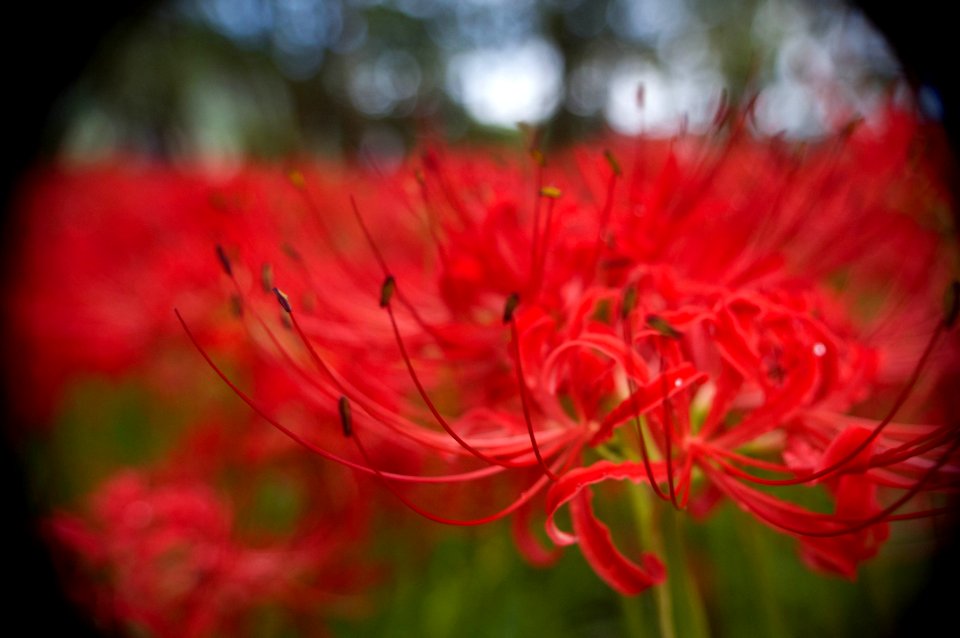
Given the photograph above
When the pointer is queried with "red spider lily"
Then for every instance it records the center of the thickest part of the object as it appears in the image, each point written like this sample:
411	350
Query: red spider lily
678	316
163	550
104	252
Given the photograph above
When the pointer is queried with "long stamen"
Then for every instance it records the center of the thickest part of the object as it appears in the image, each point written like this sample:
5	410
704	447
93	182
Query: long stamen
605	211
552	193
337	382
851	526
386	293
914	448
431	217
668	332
686	481
255	407
366	233
534	244
431	164
339	385
668	434
296	179
386	273
284	301
508	317
259	411
629	299
524	497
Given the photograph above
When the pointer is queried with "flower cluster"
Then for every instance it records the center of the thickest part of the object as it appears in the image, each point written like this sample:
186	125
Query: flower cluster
166	556
709	317
222	519
492	334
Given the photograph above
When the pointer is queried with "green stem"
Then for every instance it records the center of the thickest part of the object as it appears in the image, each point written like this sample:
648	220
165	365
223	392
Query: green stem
633	614
661	593
760	566
689	609
650	531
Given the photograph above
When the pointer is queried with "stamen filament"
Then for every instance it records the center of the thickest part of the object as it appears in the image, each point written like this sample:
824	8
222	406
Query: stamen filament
312	447
524	497
433	408
522	386
632	388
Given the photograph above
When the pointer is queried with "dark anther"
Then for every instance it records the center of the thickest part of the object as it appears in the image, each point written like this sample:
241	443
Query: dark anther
386	291
663	327
266	277
282	298
512	302
551	192
538	157
296	178
612	161
224	261
629	301
346	418
951	304
291	252
236	305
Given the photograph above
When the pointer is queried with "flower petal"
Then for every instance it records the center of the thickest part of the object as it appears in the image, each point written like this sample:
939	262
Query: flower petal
613	567
649	396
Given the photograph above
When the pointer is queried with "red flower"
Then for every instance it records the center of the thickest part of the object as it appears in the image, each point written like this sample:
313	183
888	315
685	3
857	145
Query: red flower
108	250
162	550
680	317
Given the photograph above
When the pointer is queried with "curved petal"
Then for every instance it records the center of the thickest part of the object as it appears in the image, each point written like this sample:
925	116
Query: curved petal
624	575
613	567
570	484
647	397
528	544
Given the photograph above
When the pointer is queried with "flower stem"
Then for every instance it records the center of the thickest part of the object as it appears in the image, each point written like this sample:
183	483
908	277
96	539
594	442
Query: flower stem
648	515
677	604
688	608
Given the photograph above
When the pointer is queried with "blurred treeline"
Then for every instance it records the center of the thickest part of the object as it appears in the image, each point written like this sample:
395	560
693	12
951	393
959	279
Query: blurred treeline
229	78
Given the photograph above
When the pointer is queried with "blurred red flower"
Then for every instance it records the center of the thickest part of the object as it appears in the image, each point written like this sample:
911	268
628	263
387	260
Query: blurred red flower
166	555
